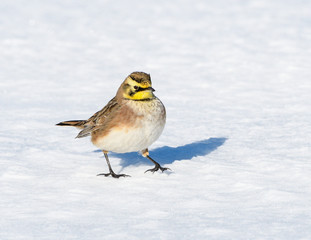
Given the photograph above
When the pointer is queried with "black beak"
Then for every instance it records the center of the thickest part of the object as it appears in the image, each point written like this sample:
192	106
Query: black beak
144	89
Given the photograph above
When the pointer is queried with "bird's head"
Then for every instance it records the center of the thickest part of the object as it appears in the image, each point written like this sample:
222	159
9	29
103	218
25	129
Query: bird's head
137	86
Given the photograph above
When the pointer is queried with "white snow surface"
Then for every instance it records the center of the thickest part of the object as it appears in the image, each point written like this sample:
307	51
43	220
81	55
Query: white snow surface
235	77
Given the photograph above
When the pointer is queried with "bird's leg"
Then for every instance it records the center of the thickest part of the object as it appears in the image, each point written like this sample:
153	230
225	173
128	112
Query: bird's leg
111	172
157	166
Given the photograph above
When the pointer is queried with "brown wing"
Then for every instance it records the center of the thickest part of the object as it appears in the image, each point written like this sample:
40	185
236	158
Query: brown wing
100	119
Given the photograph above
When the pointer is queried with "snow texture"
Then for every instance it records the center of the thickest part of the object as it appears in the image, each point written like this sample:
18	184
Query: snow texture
235	78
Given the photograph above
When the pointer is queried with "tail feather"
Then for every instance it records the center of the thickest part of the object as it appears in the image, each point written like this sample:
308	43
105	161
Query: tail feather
73	123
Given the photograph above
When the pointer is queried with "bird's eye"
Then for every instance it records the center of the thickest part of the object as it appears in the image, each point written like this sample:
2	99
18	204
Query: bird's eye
135	87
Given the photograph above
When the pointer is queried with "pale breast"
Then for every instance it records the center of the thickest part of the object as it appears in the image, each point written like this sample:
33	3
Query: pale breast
139	134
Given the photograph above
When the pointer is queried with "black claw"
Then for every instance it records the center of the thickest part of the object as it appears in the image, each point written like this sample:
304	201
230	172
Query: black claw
157	165
156	168
112	174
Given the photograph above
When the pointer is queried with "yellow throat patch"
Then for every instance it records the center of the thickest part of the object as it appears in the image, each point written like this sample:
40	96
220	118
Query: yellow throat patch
137	90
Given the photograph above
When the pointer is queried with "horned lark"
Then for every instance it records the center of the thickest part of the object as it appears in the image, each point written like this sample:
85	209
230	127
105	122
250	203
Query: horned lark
131	121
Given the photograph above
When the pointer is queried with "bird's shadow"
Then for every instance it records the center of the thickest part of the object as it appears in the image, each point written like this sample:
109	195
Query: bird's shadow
167	155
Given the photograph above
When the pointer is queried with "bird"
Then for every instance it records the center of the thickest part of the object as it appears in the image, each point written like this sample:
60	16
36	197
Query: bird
130	122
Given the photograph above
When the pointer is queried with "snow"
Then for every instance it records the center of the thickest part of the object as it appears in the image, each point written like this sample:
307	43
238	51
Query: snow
235	79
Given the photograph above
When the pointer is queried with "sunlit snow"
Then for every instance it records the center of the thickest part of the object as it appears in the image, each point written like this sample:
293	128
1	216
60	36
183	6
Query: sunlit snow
235	78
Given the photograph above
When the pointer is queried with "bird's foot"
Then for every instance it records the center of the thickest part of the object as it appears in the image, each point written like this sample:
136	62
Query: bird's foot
156	168
112	174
